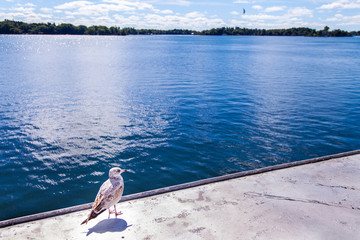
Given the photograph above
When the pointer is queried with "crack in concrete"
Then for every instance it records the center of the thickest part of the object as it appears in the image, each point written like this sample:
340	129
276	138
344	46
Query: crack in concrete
276	197
338	186
181	215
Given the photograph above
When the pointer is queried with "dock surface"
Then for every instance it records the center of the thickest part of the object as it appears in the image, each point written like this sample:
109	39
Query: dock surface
312	201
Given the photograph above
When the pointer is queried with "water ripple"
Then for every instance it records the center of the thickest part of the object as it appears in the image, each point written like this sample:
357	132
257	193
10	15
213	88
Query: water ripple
171	109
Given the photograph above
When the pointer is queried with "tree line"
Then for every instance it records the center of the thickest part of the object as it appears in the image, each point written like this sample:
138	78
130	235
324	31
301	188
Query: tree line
17	27
301	31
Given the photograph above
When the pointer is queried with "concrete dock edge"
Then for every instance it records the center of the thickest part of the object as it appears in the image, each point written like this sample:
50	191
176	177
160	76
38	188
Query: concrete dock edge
154	192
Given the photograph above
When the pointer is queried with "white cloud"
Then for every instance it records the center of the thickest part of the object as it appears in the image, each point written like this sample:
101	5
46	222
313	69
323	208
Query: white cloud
337	17
178	2
300	11
46	10
27	15
72	5
261	17
342	20
183	3
275	9
152	14
27	5
350	20
246	1
241	1
341	4
293	17
194	15
137	4
131	21
143	6
116	1
104	20
23	10
171	21
257	7
94	10
265	21
95	20
167	11
331	5
87	8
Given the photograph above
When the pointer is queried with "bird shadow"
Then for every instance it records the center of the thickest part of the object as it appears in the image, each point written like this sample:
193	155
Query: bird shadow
109	225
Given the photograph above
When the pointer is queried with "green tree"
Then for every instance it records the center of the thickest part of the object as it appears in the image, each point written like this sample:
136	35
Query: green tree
65	28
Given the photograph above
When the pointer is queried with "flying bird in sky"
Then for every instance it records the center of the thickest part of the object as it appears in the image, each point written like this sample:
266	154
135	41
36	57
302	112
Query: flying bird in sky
109	194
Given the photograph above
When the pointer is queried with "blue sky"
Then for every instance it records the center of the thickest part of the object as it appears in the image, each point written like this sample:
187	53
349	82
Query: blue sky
189	14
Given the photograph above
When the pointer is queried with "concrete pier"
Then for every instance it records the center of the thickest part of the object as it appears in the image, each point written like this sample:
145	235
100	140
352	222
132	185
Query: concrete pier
312	200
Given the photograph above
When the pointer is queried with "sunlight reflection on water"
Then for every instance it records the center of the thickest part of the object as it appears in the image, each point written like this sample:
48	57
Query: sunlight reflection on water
172	109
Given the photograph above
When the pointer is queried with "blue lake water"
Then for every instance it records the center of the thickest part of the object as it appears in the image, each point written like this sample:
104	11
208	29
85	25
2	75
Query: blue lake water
173	109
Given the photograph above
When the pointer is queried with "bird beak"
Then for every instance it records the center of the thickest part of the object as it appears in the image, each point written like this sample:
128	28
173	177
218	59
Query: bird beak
123	170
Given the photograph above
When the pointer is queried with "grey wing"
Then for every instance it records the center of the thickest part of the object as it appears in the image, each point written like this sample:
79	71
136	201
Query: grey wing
101	200
99	204
118	193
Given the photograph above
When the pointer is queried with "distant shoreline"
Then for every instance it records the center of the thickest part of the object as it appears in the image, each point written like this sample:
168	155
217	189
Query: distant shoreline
18	27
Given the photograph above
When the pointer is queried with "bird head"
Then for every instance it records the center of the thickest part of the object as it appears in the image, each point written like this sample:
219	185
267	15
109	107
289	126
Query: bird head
115	172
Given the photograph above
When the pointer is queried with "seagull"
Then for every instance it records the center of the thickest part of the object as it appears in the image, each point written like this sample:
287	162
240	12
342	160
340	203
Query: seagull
109	194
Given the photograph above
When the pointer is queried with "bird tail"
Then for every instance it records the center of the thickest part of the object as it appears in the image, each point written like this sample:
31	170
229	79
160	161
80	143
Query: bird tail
91	216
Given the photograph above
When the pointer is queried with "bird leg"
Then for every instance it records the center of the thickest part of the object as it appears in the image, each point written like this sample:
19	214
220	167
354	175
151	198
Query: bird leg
115	212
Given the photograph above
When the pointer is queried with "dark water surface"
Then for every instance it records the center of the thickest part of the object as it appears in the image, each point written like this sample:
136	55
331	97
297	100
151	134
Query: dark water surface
173	109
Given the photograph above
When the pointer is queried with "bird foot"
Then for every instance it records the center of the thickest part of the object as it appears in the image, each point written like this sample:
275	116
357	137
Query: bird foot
116	213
